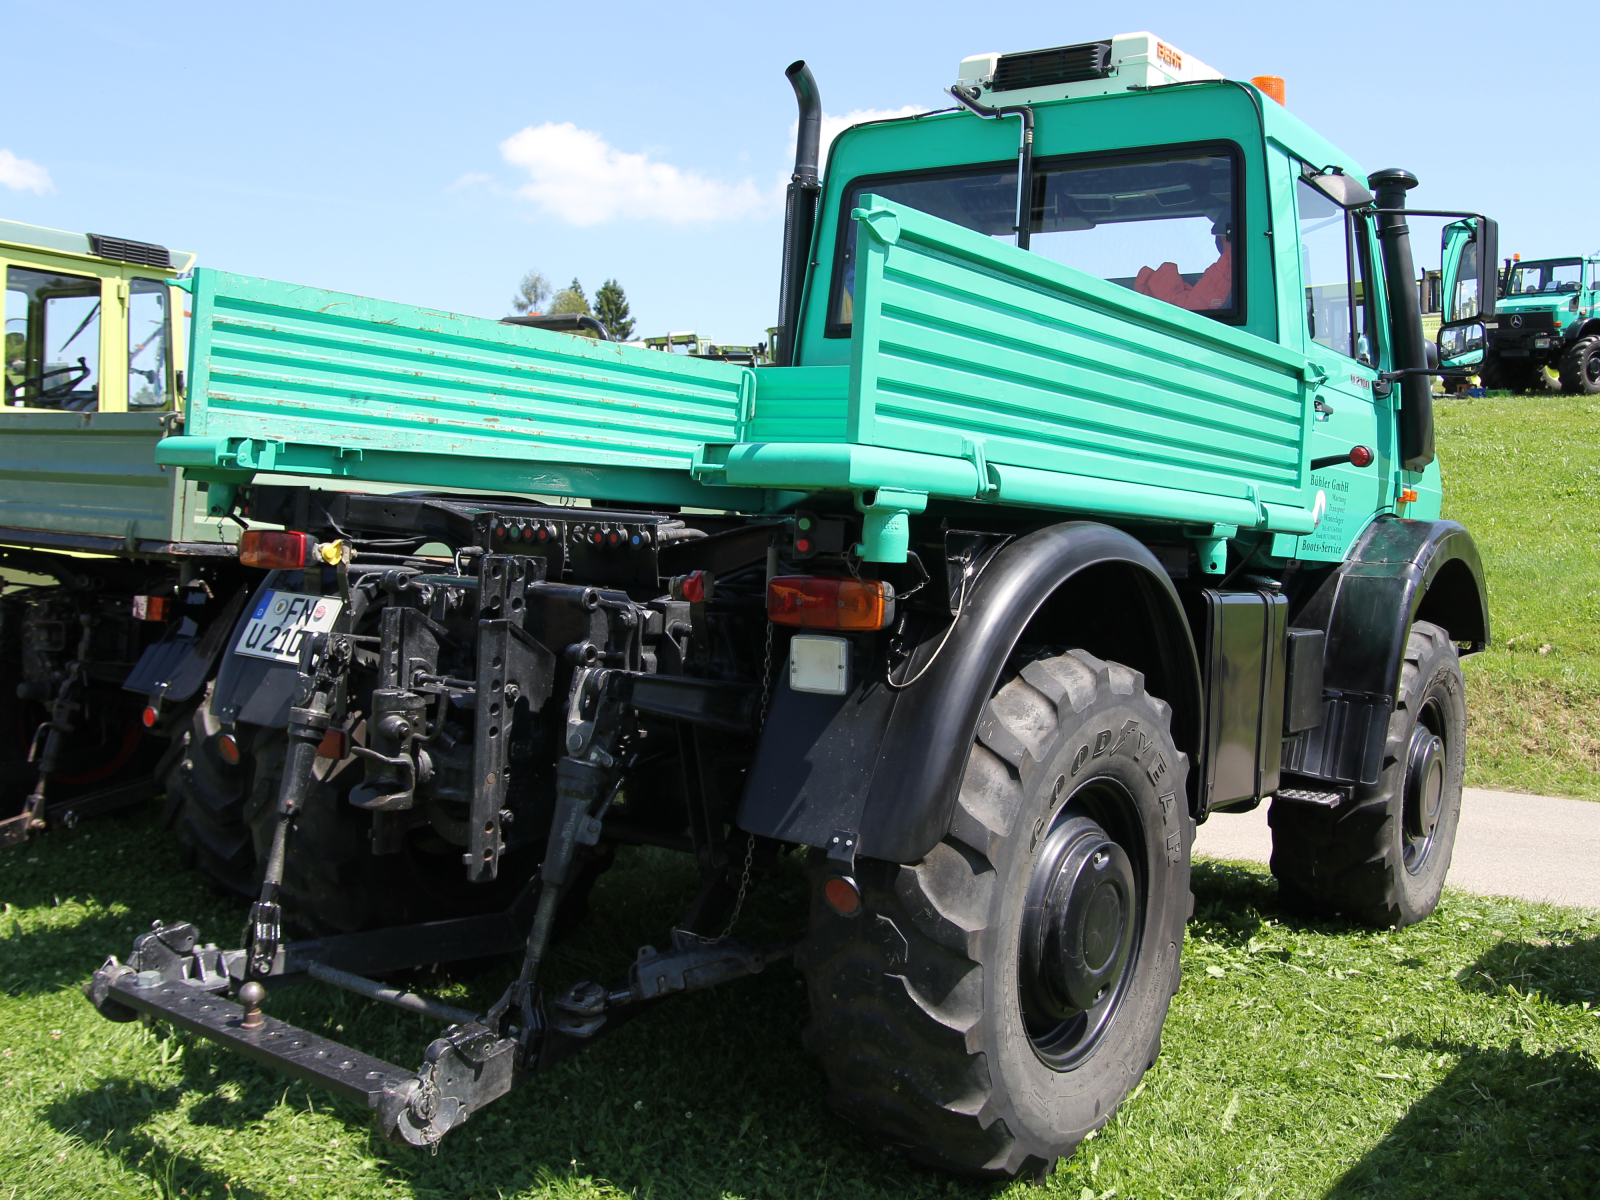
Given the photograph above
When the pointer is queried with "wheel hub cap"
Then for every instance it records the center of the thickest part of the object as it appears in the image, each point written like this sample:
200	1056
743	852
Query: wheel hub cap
1078	931
1424	799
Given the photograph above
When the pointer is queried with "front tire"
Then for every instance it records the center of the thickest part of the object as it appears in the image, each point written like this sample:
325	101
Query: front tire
991	1005
1580	367
1382	856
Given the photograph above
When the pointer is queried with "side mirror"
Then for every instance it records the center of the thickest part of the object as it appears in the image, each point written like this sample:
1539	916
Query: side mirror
1469	252
1458	341
1344	190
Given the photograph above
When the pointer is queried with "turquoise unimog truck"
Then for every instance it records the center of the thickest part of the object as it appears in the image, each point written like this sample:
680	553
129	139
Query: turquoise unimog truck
1547	319
1093	493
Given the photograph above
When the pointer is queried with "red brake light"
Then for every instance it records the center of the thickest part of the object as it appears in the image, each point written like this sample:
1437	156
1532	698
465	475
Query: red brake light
818	602
275	550
1360	456
150	716
228	748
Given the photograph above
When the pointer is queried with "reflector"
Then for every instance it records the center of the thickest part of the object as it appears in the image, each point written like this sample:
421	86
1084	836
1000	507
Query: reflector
842	895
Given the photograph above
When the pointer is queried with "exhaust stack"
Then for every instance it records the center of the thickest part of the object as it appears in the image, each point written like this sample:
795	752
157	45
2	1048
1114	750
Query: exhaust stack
800	210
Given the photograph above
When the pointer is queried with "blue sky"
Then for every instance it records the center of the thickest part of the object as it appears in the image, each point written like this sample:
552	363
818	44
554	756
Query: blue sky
420	153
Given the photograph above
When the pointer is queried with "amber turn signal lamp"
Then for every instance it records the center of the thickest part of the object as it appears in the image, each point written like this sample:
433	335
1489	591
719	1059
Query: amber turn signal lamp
820	602
1271	85
842	895
228	749
275	550
1408	495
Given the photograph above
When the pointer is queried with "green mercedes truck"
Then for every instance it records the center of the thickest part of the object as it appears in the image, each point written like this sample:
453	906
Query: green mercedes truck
1092	494
1547	321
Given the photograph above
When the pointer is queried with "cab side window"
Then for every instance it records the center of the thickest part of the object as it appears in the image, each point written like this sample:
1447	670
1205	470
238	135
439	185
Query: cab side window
1333	255
149	339
52	340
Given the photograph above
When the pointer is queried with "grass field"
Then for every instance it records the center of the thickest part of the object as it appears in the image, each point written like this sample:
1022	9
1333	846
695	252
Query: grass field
1523	473
1454	1059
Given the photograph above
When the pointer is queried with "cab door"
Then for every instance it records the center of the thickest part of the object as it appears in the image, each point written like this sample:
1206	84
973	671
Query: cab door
1341	344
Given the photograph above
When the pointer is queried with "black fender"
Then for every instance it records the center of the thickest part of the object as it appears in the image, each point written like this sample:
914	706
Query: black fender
1399	571
885	766
1581	330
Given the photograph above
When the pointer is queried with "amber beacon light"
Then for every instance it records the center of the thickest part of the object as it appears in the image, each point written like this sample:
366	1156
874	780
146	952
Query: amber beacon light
820	602
1271	85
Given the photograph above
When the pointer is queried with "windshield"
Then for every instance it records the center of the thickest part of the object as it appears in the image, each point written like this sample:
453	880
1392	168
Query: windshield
1161	225
1554	275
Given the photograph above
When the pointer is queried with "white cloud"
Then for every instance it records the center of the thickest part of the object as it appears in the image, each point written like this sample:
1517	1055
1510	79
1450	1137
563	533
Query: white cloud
576	176
470	179
20	175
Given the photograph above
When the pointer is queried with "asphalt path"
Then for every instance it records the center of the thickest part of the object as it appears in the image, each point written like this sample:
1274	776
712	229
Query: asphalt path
1539	848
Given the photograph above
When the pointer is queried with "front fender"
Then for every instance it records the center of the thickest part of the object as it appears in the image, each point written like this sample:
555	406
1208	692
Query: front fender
1398	572
886	765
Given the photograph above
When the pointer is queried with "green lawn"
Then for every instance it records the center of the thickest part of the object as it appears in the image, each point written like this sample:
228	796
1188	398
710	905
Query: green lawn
1454	1059
1523	473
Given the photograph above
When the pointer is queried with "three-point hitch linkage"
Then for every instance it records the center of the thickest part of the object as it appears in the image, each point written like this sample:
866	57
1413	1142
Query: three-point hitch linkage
217	994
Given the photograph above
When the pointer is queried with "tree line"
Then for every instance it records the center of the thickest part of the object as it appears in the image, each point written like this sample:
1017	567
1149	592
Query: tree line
610	302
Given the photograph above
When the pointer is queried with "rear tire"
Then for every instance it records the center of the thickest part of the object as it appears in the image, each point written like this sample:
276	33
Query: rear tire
1580	367
206	806
960	1015
1382	856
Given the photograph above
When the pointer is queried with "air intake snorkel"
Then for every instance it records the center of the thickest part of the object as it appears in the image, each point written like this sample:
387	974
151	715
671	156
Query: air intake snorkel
967	97
800	211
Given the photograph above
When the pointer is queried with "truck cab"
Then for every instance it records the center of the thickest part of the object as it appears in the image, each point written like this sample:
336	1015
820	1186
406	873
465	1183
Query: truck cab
94	366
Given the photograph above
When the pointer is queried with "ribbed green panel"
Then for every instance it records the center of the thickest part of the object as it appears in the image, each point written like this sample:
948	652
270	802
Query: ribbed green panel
302	366
800	404
966	346
85	473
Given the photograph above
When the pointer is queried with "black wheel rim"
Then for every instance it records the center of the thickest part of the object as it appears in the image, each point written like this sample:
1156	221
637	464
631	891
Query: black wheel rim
1591	367
1080	928
1424	798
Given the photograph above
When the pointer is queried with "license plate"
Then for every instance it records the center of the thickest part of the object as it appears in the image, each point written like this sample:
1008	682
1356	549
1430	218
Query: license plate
282	620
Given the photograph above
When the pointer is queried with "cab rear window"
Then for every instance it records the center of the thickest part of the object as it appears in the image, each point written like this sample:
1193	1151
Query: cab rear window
1159	224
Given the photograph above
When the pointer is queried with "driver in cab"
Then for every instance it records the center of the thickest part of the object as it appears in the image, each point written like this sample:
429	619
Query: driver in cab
1213	289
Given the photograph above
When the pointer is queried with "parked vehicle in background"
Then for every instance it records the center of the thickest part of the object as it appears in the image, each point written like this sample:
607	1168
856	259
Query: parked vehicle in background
120	576
1092	494
1548	319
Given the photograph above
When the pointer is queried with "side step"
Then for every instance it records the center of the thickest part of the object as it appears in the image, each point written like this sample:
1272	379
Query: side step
1303	796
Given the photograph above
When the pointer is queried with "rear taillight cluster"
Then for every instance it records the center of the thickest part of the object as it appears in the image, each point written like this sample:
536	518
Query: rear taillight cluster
276	550
822	602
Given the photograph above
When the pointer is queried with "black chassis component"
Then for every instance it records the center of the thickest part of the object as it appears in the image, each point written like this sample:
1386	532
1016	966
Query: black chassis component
170	975
1400	571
